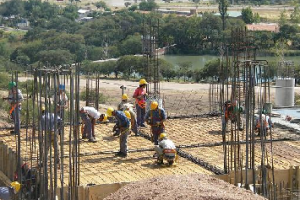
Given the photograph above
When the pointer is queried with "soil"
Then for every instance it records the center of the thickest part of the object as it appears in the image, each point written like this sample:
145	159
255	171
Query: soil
182	187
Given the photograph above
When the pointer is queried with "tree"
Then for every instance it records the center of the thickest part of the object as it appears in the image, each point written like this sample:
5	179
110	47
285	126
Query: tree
283	18
101	4
131	45
247	15
55	57
148	6
223	5
167	70
295	15
127	4
211	68
184	68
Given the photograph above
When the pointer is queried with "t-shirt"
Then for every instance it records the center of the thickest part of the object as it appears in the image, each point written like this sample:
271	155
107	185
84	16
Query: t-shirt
62	99
91	111
48	121
166	144
140	91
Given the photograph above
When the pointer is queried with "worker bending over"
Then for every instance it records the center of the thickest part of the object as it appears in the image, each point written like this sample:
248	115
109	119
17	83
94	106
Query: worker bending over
50	124
15	99
265	121
165	149
155	117
124	125
89	115
9	193
140	103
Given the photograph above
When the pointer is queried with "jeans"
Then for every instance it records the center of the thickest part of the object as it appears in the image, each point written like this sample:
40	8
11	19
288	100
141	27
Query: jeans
17	119
140	115
123	140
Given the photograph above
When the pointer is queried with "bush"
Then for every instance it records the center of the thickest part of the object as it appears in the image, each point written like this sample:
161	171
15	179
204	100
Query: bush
4	80
102	98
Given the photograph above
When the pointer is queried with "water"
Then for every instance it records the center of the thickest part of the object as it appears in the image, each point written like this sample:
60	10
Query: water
198	62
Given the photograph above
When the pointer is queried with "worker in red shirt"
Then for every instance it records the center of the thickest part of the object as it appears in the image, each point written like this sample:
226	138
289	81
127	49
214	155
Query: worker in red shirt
140	103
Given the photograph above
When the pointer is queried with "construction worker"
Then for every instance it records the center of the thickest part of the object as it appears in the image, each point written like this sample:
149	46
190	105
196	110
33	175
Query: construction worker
15	99
155	117
140	103
124	126
89	115
124	101
133	122
48	125
266	122
9	193
165	149
61	99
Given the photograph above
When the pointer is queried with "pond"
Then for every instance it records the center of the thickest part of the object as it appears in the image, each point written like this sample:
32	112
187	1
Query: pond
198	62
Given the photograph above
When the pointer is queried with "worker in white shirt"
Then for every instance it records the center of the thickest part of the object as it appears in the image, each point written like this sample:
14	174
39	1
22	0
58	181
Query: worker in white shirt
89	115
165	149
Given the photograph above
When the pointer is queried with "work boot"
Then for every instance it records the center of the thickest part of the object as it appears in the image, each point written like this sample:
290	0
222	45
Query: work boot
155	155
92	140
121	154
84	137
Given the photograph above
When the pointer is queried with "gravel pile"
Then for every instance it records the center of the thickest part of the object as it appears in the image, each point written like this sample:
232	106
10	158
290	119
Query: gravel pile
179	187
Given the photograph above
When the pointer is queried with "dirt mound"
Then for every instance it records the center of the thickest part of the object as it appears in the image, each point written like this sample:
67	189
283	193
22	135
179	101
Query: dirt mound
188	187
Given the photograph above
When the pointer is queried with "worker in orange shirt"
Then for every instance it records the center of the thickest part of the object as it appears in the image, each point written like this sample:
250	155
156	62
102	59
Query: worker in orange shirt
140	103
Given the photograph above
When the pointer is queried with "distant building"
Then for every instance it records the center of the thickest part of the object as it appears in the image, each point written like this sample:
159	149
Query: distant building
23	24
86	19
233	14
272	27
83	13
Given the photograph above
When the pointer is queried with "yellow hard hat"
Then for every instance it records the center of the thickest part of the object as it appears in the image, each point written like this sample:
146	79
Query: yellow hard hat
162	136
143	82
105	118
127	113
124	97
16	186
153	105
109	111
43	108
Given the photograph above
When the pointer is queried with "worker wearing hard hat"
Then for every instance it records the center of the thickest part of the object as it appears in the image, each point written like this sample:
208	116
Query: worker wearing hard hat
49	124
124	125
165	148
89	115
15	99
8	193
140	103
155	117
124	101
133	122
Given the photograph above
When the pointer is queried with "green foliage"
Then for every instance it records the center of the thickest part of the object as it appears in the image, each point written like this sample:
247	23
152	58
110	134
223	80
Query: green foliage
184	68
55	57
223	5
4	80
101	4
211	69
148	5
295	15
133	8
247	15
131	45
92	93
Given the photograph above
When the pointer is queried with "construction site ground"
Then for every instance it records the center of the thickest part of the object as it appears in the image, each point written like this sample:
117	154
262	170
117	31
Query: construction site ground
98	165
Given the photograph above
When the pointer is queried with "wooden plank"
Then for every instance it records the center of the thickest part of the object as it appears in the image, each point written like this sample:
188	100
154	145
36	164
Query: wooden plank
4	179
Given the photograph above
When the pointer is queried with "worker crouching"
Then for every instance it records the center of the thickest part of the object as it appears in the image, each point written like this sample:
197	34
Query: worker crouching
124	125
155	117
165	149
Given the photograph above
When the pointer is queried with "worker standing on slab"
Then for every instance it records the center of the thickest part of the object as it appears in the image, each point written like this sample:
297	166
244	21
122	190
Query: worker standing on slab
89	115
155	117
15	98
48	125
124	126
9	193
140	103
165	149
62	99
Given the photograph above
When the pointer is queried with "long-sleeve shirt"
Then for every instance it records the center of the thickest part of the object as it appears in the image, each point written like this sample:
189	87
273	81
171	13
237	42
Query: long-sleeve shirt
122	120
166	144
48	121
